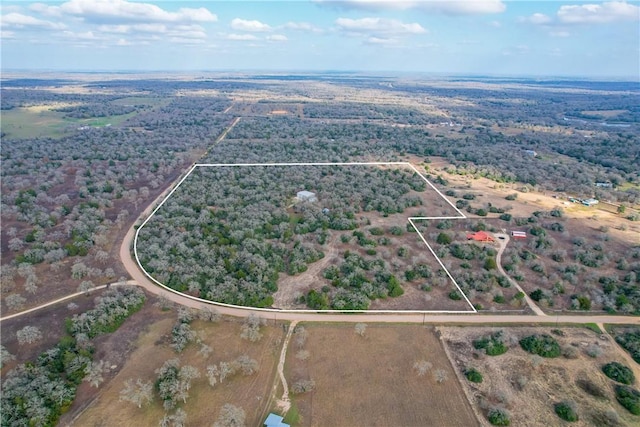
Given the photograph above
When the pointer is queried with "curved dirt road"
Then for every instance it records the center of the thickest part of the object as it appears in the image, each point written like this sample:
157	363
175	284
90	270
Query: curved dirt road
503	239
142	280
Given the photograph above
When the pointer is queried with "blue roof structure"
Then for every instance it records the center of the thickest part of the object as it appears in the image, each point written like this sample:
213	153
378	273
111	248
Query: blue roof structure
274	420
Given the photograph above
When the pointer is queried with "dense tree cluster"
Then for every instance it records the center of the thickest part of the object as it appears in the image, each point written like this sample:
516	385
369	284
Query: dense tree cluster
65	197
228	232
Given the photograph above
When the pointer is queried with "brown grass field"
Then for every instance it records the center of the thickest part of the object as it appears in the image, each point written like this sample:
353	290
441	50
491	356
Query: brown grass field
370	380
252	393
528	387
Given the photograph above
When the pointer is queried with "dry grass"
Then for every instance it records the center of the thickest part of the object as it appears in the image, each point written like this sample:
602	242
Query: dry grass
252	393
549	382
370	380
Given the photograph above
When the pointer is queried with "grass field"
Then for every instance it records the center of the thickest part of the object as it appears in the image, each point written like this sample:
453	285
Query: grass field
21	123
370	380
42	121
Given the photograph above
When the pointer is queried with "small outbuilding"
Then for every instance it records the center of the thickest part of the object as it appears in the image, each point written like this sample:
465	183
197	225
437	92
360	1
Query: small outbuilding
306	196
274	420
481	236
590	202
519	234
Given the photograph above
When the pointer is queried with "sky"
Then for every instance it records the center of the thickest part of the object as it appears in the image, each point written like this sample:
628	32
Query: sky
592	39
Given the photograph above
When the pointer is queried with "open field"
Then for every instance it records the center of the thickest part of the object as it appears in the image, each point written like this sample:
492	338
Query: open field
370	380
528	386
252	393
33	122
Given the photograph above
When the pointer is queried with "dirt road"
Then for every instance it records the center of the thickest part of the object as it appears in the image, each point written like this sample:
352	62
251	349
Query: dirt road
147	283
503	239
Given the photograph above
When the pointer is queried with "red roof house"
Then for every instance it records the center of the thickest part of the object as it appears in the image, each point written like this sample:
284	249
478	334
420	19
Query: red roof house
481	236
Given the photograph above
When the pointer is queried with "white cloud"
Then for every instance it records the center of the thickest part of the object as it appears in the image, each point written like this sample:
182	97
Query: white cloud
302	26
174	32
559	34
245	25
378	26
122	11
277	38
495	24
537	19
380	41
241	37
7	35
616	11
87	35
20	21
455	7
117	29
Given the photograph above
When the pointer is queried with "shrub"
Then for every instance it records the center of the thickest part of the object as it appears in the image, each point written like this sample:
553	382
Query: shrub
630	341
629	398
566	411
492	345
618	372
499	417
473	375
537	295
542	345
443	239
490	264
454	295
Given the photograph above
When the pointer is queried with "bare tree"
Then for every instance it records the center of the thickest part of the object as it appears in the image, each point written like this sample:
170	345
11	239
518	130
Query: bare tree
440	375
16	244
226	370
94	373
422	367
301	335
208	314
247	365
31	284
230	416
303	386
177	419
138	393
5	356
361	328
251	328
212	375
86	286
28	335
15	301
205	350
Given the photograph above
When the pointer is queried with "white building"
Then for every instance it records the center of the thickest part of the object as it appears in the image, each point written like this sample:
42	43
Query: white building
306	196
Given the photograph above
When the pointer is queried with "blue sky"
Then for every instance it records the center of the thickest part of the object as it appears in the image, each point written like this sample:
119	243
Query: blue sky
540	38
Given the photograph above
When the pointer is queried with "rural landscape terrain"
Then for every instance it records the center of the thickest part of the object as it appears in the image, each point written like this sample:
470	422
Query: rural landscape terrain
335	249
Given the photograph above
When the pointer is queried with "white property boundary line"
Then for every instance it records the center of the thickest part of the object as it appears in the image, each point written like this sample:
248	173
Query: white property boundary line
271	310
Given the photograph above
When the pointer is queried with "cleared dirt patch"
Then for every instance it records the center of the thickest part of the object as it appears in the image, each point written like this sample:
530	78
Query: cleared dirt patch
370	380
528	386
